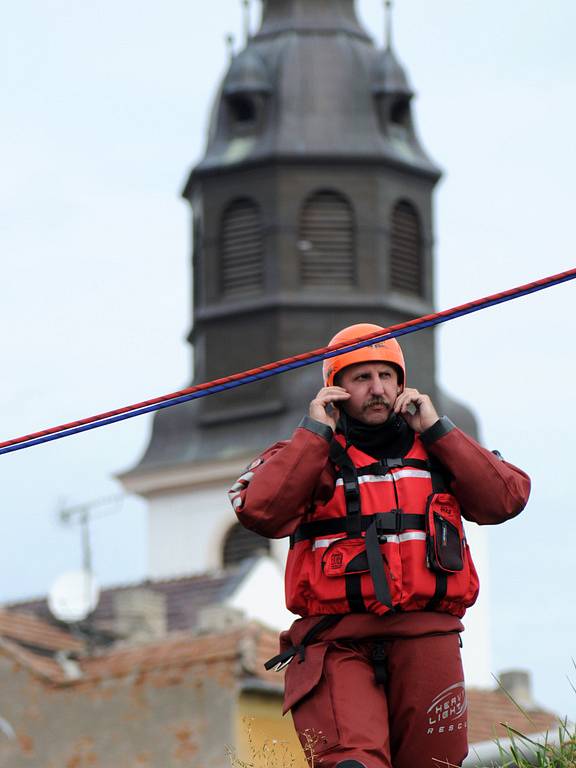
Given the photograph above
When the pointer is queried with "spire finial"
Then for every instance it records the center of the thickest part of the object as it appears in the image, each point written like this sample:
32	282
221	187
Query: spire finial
388	10
246	19
230	46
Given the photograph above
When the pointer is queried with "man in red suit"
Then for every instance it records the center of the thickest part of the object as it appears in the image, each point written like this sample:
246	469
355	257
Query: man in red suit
372	490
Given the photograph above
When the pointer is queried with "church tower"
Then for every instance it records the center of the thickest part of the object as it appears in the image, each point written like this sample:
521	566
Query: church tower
312	210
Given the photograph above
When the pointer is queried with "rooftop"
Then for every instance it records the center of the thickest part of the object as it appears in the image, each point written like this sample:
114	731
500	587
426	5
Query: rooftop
57	658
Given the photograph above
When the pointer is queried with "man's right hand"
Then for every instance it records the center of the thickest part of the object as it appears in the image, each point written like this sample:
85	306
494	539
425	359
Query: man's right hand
324	409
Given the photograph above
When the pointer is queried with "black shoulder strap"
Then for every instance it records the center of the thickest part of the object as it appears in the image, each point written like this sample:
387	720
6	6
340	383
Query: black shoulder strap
340	457
353	523
440	483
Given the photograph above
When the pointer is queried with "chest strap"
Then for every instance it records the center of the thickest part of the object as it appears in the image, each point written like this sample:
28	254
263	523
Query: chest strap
383	466
391	522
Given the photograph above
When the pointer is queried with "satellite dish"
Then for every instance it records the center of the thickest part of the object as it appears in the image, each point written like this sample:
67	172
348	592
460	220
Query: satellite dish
73	596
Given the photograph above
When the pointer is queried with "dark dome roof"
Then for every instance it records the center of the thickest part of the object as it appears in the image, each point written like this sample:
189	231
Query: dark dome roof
390	76
321	73
247	74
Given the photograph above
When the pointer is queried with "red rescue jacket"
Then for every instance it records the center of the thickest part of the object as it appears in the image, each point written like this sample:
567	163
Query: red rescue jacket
297	489
389	538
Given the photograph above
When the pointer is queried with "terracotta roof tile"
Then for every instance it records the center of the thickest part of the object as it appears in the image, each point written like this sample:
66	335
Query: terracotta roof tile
487	710
179	650
43	666
36	633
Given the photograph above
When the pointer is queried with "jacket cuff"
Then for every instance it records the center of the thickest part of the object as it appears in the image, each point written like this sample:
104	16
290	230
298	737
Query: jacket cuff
323	430
437	430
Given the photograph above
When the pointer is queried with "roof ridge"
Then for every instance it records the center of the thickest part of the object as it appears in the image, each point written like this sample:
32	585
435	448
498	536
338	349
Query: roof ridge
147	582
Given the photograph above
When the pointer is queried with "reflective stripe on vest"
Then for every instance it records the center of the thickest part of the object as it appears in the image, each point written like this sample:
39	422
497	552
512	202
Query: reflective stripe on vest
388	539
393	476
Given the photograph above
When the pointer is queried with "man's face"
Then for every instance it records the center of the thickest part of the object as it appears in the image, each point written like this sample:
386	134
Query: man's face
373	389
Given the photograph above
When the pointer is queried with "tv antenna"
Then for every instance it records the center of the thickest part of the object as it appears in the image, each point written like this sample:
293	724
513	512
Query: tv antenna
75	594
82	514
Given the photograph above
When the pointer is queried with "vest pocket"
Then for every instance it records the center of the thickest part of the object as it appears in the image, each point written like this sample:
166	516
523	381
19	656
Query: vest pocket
444	534
448	555
328	574
345	557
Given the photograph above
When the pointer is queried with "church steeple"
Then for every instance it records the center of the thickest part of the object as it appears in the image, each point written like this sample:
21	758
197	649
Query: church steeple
312	210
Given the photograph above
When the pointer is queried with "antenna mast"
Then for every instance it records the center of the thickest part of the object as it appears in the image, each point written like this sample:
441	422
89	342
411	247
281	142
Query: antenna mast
81	514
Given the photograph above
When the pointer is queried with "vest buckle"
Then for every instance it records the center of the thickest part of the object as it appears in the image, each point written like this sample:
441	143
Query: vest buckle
388	522
350	488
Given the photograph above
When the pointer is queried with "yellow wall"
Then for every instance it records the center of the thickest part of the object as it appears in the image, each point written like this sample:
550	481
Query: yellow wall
264	738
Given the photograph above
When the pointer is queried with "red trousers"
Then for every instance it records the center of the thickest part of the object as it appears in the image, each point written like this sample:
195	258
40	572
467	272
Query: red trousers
417	719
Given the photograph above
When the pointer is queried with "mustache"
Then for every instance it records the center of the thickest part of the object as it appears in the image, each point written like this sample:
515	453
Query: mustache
376	401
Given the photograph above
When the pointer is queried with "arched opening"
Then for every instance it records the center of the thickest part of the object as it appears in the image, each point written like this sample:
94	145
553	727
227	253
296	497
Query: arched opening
400	111
326	241
243	109
406	263
241	249
241	544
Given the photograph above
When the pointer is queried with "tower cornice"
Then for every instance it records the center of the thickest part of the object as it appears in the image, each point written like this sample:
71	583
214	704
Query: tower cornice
406	307
421	166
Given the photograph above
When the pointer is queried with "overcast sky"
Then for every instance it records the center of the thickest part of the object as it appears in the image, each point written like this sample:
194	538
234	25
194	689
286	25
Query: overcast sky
104	112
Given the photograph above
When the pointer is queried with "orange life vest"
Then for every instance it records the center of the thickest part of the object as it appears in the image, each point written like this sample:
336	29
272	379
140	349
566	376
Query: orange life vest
389	539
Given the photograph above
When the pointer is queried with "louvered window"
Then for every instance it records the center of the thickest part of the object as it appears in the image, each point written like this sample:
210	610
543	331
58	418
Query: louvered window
242	250
241	544
326	242
406	250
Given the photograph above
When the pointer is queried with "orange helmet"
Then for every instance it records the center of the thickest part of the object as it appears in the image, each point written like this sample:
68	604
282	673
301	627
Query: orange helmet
387	351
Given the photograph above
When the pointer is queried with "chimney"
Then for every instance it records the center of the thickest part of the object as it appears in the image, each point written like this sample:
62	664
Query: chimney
140	615
518	685
219	618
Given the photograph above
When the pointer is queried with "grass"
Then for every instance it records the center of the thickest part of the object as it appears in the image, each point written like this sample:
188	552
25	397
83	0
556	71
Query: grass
524	751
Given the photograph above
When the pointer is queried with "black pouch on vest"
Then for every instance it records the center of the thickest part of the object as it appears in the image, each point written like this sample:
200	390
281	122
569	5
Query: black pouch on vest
444	534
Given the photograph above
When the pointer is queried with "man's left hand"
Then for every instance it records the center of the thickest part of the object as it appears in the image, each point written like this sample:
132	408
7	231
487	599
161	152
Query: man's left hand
416	409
